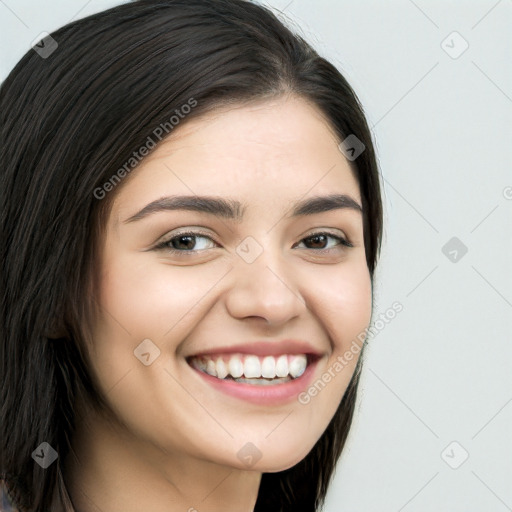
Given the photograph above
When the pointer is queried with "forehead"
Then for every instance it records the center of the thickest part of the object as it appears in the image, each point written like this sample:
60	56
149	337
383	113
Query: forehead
270	151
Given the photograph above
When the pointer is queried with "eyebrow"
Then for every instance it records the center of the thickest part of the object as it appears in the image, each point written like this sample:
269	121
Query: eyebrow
234	210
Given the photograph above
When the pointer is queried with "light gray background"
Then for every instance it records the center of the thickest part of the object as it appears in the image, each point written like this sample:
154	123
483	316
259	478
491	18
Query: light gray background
441	370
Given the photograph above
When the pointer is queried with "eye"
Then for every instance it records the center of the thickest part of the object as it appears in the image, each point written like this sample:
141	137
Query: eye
185	243
319	241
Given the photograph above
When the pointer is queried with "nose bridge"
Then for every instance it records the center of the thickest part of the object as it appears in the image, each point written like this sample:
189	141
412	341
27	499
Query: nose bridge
261	284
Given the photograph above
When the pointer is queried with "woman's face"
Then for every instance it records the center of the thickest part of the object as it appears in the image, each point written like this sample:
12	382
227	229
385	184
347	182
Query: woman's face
255	281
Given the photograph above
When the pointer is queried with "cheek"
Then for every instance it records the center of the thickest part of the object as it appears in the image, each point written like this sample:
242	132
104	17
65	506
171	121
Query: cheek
343	307
141	301
150	299
342	301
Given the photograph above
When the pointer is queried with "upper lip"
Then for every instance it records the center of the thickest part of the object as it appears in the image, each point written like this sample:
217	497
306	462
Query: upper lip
264	348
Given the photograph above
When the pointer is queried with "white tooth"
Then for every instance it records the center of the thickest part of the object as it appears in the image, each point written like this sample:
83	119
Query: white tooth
220	366
282	366
235	366
268	367
264	382
298	365
201	363
211	368
252	367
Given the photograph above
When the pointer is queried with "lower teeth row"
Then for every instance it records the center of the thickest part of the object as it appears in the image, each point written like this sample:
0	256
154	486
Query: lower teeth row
261	381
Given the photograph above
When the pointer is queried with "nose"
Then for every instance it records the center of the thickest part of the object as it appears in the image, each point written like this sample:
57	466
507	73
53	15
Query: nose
264	289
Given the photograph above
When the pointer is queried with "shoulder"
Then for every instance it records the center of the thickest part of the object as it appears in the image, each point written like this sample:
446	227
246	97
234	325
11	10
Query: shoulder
60	502
6	502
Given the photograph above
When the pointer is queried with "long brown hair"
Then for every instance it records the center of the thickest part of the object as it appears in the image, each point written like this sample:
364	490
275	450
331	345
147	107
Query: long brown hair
69	122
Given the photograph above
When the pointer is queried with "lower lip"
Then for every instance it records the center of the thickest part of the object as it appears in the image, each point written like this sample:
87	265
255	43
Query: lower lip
262	395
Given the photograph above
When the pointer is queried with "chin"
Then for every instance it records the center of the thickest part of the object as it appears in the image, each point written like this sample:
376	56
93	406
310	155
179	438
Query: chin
278	463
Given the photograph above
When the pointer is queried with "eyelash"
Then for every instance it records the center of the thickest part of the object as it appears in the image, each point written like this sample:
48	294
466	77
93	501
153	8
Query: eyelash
163	246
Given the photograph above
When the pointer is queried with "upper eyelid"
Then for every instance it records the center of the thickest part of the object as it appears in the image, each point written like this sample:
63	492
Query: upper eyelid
191	232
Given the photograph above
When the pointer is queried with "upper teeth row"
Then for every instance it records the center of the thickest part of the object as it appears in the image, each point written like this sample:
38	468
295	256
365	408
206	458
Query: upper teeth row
252	366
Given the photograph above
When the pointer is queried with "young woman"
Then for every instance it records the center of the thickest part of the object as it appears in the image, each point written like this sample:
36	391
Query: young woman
191	220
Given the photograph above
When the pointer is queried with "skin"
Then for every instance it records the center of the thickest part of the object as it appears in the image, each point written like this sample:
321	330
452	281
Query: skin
172	441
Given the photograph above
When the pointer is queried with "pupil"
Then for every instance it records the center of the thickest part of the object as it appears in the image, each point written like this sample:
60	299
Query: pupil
188	245
316	238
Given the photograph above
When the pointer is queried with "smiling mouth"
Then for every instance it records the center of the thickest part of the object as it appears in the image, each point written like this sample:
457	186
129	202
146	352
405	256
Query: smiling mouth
253	369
